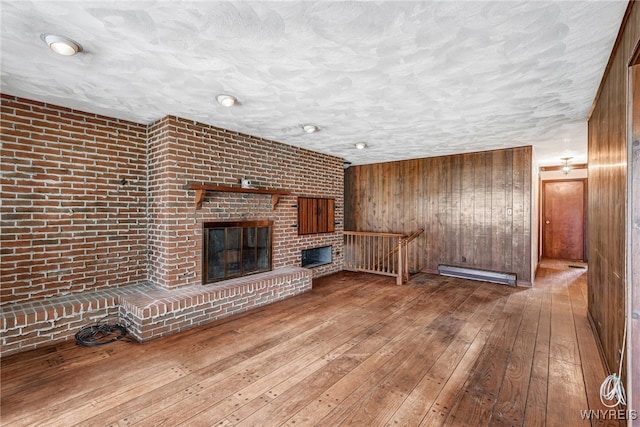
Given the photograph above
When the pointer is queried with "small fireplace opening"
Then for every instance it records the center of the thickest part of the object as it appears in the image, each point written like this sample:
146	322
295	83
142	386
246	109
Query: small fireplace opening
235	248
316	256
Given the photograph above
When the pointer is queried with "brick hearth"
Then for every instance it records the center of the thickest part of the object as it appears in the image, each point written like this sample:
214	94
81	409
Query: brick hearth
151	311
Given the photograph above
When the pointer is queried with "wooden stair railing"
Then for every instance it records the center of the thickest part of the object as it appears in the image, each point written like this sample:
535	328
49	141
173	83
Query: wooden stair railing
379	253
406	240
403	256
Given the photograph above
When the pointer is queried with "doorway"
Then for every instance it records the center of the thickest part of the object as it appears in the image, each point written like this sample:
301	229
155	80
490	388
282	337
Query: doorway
564	219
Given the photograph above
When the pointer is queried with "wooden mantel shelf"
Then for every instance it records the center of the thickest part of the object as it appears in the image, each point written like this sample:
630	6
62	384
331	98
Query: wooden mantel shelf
201	190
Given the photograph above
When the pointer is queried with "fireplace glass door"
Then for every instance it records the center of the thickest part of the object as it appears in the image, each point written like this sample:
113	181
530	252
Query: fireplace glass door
234	249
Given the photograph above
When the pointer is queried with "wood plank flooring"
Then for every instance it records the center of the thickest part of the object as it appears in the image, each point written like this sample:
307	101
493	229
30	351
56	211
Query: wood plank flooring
357	350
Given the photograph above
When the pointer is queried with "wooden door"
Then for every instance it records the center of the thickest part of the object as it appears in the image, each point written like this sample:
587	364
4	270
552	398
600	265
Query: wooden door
563	219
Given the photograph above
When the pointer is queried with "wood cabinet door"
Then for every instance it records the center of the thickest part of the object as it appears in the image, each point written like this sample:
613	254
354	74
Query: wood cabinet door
316	215
563	219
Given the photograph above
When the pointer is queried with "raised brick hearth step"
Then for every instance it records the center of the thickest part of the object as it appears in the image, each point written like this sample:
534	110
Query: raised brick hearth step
158	312
153	312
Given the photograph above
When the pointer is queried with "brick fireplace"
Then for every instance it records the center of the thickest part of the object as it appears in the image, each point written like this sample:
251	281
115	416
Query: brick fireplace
182	152
95	208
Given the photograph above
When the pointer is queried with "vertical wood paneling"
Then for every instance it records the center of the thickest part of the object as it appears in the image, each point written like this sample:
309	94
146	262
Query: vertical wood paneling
498	211
390	184
432	226
375	180
444	215
634	241
410	186
529	217
483	192
607	195
461	201
455	197
467	208
520	202
350	192
508	218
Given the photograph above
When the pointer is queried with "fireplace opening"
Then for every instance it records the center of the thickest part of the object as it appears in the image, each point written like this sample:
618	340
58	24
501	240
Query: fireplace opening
316	256
235	249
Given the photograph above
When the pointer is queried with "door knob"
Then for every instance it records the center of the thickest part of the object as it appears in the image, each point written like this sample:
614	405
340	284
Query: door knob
546	222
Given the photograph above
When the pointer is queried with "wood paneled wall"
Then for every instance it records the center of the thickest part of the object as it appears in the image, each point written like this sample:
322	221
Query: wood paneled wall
633	260
607	194
475	208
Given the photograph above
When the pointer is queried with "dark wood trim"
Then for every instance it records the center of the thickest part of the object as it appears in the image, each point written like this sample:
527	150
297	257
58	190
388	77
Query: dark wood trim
586	220
603	357
201	189
524	284
619	38
539	230
635	58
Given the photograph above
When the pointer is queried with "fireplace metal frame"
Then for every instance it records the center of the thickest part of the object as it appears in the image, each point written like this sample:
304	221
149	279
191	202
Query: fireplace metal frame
230	224
308	260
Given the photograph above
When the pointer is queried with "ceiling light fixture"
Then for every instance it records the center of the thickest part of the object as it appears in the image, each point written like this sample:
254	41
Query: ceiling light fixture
310	128
361	145
226	100
61	45
565	165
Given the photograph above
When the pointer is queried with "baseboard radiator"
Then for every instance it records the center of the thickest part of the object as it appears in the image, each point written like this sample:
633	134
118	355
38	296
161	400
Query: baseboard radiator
476	274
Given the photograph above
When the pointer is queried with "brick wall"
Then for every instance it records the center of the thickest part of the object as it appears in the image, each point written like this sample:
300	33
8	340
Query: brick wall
183	151
69	222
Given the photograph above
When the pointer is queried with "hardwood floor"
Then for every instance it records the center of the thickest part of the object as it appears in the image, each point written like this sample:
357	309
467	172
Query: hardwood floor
356	350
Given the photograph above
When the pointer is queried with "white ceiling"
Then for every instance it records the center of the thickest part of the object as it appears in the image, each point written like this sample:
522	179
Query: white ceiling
410	79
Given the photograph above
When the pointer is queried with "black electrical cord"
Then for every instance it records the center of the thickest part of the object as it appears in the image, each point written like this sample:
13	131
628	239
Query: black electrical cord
101	333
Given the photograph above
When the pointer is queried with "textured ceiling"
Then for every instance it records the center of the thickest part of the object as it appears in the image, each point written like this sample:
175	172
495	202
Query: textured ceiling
409	79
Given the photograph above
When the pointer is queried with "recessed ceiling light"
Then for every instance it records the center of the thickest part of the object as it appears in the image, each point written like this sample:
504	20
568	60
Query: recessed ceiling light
361	145
226	100
310	128
61	45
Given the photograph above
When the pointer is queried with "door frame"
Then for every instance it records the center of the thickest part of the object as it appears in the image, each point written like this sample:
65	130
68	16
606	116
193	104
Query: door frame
585	192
